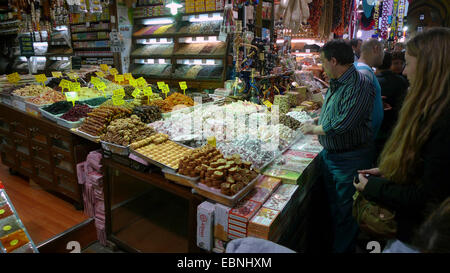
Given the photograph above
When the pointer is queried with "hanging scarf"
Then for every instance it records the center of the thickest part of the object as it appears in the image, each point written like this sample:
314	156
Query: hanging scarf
387	11
376	15
394	20
367	23
400	15
367	8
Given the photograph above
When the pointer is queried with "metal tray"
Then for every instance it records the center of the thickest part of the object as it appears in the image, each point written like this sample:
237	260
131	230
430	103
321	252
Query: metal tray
85	135
22	98
226	200
115	148
159	164
179	178
49	115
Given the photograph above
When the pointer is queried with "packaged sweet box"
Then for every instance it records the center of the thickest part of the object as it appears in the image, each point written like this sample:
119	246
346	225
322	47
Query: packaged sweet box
263	224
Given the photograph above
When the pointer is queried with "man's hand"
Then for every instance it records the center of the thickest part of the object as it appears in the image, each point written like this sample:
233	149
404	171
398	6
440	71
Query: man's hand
362	183
311	129
374	172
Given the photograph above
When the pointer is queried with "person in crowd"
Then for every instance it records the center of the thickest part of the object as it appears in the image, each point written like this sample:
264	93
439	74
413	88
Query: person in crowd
433	236
399	47
372	54
356	46
412	172
393	90
345	131
398	62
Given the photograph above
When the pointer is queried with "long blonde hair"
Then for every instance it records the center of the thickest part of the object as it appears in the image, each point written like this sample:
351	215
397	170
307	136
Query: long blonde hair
427	99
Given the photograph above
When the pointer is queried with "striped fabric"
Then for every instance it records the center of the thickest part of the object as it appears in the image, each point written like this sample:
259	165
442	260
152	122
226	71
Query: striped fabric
346	113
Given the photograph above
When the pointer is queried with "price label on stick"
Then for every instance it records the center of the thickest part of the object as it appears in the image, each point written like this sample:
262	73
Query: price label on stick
100	74
148	91
165	90
56	74
119	78
183	86
113	71
117	100
101	86
41	78
128	76
136	92
119	92
141	82
94	80
104	67
71	96
133	82
64	84
74	87
268	104
161	85
73	76
13	78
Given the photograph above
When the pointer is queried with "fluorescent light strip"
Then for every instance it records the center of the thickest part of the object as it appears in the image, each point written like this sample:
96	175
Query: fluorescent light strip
201	39
199	62
155	41
204	17
306	41
158	21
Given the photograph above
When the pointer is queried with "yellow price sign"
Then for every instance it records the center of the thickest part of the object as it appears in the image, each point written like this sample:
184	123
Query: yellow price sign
100	74
57	74
133	82
119	78
64	84
128	76
94	80
71	96
113	71
101	86
73	76
267	103
74	87
41	78
136	92
148	91
183	86
165	90
161	85
117	100
13	78
119	92
141	82
104	67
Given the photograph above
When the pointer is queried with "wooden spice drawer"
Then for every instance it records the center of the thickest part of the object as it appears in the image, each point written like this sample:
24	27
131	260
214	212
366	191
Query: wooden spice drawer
8	156
41	152
62	160
67	184
39	133
25	164
43	171
21	144
18	126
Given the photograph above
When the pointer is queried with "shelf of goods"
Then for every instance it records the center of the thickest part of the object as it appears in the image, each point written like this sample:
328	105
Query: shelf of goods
185	49
90	37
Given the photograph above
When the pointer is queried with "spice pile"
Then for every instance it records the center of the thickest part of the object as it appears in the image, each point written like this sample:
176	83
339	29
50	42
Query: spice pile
31	90
59	107
127	130
76	113
164	105
178	98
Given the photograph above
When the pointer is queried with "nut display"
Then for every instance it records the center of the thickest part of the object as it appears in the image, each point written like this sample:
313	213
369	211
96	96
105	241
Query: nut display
160	149
98	119
290	122
178	98
127	130
148	114
229	174
47	97
31	90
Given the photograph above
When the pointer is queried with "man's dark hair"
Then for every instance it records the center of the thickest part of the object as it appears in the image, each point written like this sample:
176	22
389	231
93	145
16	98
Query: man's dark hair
387	61
340	50
398	55
354	42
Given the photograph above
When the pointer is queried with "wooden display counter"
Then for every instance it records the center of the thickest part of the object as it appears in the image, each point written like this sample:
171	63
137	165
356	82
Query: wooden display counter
43	151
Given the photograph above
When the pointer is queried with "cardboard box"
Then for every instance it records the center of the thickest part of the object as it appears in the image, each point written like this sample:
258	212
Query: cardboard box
268	182
280	198
263	224
239	217
259	194
221	213
286	176
205	218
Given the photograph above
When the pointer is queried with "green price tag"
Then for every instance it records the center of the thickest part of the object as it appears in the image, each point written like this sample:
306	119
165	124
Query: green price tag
119	78
119	92
141	82
41	78
113	71
148	91
71	96
64	84
100	74
136	92
268	103
74	87
117	100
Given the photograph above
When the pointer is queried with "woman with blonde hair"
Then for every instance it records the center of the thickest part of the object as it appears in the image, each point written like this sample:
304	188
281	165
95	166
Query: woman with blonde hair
413	166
